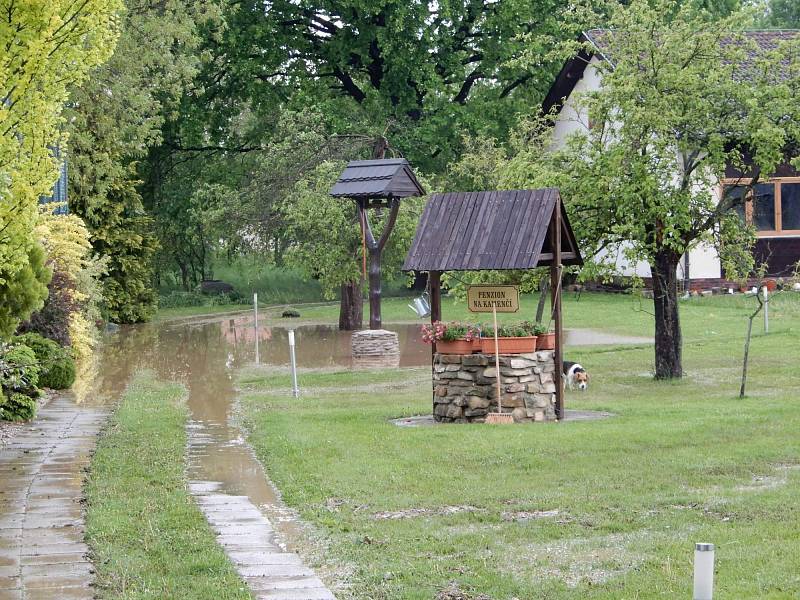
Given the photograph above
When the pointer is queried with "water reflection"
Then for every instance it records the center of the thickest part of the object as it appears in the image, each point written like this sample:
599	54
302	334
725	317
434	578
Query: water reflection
318	345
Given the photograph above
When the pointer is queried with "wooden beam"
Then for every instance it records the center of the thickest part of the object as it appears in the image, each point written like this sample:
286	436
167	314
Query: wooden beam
547	257
435	287
555	299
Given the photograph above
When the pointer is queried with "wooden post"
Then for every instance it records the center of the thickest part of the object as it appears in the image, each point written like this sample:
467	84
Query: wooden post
374	249
555	291
434	284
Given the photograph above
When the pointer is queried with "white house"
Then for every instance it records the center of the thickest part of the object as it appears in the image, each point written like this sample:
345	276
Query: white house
777	212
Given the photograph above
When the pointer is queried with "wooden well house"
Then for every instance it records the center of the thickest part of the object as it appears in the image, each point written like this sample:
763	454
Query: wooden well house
496	230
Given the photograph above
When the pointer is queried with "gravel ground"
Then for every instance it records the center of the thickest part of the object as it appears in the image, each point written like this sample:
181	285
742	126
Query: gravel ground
8	429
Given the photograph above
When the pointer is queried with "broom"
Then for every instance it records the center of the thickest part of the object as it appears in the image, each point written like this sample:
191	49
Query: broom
499	417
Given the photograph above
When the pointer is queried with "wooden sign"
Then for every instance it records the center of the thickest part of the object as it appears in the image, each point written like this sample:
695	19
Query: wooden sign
482	298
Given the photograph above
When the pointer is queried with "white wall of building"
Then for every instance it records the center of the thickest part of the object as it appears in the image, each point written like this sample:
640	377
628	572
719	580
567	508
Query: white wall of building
571	119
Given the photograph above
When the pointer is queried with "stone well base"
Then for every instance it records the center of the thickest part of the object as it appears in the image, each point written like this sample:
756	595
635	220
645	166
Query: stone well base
465	387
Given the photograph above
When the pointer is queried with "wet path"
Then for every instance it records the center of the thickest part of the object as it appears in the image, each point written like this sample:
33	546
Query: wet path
227	480
42	552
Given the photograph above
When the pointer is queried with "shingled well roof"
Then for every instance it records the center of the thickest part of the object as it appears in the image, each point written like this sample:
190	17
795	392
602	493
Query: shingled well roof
378	178
471	231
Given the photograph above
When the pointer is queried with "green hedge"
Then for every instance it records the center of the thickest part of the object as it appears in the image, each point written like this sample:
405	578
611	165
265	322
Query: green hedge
57	367
19	378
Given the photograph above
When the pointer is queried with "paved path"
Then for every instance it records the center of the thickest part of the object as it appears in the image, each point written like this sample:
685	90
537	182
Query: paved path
42	552
271	572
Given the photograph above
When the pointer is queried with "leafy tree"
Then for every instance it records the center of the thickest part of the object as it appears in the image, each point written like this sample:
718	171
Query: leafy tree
47	47
683	99
421	73
116	118
784	13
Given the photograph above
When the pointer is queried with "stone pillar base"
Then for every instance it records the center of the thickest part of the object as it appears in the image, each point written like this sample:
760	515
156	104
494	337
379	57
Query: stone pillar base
375	348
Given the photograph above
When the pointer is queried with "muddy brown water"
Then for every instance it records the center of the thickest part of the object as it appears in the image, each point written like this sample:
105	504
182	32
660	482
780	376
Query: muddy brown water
203	354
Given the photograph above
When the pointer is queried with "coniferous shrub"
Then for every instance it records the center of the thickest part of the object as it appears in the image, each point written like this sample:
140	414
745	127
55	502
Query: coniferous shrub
17	407
19	376
24	291
56	366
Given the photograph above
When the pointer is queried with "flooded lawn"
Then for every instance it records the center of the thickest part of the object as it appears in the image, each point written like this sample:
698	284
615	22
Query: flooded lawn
203	353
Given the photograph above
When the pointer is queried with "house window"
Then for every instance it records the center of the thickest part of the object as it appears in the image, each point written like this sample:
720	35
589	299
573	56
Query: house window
790	206
772	207
738	195
764	206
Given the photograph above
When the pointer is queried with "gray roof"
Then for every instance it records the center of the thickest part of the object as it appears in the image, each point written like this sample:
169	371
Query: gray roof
764	40
473	231
379	178
599	39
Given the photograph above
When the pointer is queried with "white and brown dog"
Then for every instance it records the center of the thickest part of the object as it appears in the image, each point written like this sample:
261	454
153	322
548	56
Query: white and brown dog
575	376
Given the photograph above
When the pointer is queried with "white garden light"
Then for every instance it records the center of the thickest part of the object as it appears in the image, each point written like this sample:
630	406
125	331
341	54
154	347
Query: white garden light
703	571
295	389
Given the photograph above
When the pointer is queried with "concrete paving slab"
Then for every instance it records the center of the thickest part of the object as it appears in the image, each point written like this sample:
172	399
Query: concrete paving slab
52	559
63	593
10	594
269	584
302	594
42	552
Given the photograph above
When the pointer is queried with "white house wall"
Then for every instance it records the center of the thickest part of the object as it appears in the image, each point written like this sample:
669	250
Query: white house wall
704	262
570	119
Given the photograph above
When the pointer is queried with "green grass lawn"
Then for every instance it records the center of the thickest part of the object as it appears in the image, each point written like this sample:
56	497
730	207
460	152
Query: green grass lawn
147	537
604	509
620	313
180	312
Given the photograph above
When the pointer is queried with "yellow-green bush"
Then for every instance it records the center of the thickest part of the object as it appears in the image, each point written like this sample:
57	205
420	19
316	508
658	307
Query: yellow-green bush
66	240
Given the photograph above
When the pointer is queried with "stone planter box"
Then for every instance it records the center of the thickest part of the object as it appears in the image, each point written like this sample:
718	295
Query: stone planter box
465	388
509	345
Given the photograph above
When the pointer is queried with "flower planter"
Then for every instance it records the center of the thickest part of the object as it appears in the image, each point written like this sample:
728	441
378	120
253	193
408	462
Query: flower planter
546	341
477	346
454	347
510	345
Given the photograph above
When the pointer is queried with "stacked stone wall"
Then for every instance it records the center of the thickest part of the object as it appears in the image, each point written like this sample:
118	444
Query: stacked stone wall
465	387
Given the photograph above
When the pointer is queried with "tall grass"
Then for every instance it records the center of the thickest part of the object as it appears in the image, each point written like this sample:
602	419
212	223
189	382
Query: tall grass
251	274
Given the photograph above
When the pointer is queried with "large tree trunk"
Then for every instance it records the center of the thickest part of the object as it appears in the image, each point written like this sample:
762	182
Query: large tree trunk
184	276
351	308
668	327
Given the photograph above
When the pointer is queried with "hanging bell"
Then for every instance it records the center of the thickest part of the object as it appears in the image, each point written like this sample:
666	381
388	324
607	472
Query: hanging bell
421	306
